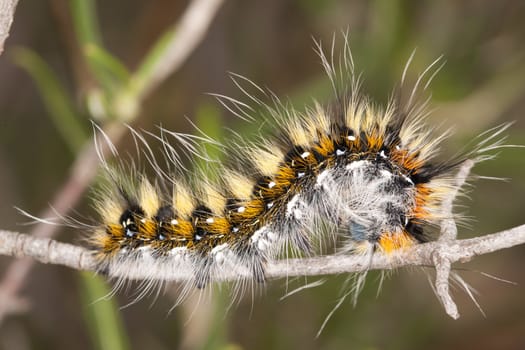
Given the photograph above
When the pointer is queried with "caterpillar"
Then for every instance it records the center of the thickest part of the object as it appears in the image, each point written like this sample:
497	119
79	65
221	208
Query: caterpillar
366	176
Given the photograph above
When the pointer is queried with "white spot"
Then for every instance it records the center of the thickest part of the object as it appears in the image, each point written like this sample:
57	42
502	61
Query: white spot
257	234
177	250
174	222
269	205
355	164
386	173
292	208
271	184
235	229
305	154
292	202
210	220
219	257
143	220
300	175
176	257
178	254
241	209
397	147
339	152
198	237
321	177
146	256
382	154
262	244
351	137
409	180
219	248
261	238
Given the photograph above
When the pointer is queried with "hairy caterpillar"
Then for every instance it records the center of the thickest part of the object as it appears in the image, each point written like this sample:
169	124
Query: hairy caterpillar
354	172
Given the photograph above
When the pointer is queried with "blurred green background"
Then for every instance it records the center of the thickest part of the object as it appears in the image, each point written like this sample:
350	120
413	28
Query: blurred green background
48	84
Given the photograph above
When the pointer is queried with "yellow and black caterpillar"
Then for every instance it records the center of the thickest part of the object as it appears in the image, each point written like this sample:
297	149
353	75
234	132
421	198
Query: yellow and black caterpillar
365	175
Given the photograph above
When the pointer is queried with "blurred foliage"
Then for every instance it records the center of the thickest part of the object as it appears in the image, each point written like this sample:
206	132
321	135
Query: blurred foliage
88	60
58	104
101	314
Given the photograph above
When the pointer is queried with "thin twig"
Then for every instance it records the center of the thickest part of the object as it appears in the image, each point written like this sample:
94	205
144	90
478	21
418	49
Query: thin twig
189	32
449	232
49	251
7	12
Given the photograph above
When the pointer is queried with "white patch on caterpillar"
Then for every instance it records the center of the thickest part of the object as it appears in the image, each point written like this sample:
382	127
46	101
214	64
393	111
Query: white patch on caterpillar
356	164
386	174
131	265
219	253
295	208
322	178
263	239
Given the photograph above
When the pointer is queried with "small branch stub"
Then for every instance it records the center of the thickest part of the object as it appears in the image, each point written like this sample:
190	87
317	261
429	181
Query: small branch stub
443	267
